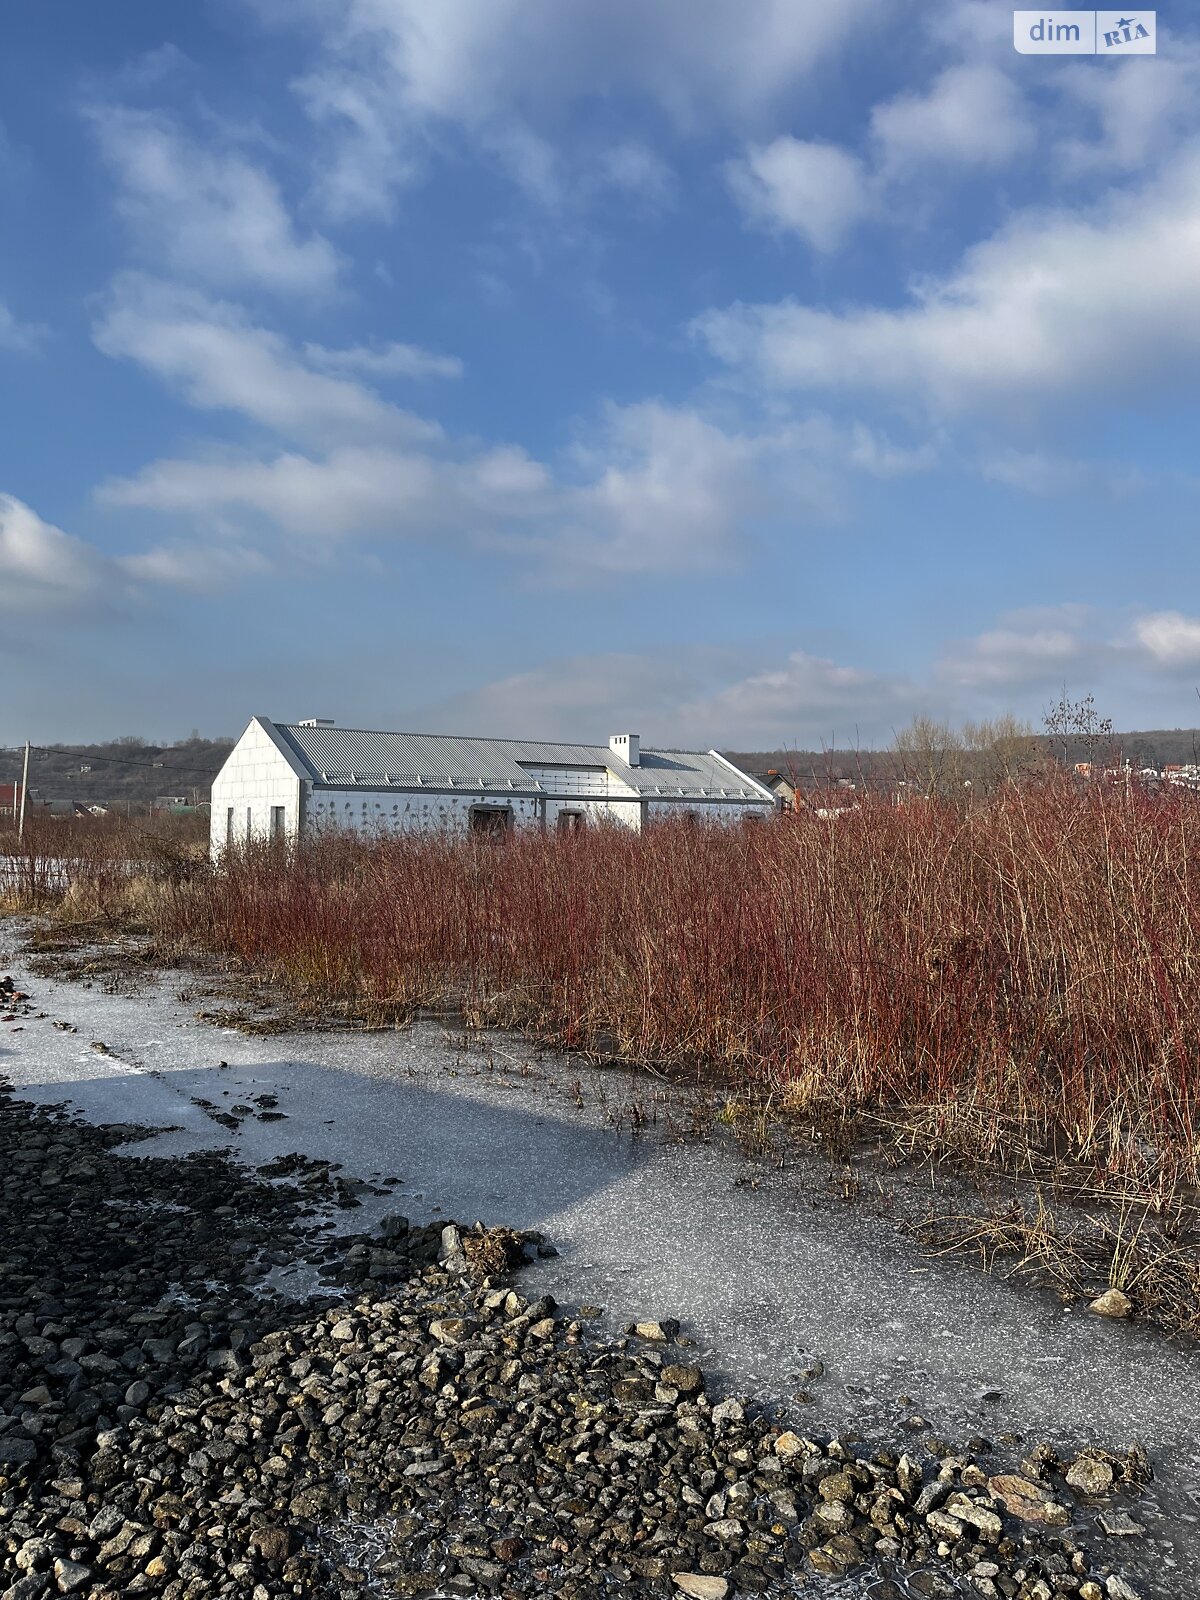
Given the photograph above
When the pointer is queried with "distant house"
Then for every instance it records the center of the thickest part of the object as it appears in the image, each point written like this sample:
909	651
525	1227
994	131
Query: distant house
786	790
10	799
287	779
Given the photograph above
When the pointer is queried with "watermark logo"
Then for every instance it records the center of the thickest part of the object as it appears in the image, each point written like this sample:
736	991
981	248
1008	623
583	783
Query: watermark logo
1085	33
1121	35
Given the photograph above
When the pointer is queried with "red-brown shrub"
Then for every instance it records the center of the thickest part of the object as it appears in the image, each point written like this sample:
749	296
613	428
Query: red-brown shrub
1023	967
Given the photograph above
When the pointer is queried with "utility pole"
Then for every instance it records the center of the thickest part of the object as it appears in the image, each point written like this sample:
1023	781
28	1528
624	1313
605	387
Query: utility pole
24	792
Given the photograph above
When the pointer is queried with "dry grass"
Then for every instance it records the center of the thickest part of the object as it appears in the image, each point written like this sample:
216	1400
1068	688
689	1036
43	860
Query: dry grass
1152	1258
97	869
1018	979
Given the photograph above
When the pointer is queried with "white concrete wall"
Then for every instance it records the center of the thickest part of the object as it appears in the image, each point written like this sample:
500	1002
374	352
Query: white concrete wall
708	810
590	791
255	778
391	811
627	813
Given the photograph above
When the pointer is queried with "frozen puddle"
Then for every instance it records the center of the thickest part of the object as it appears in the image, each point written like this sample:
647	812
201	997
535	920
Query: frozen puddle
784	1292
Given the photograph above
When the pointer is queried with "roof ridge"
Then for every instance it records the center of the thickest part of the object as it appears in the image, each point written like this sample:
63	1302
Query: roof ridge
476	738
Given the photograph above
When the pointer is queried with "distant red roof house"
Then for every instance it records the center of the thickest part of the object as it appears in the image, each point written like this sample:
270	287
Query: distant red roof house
10	797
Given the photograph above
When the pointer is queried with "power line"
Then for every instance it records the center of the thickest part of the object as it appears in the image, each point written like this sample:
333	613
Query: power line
121	761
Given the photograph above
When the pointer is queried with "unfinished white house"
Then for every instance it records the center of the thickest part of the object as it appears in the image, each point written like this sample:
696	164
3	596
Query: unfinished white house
283	779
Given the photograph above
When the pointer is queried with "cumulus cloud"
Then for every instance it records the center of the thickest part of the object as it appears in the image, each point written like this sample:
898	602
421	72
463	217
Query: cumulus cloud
650	488
670	499
971	116
1054	303
1136	116
1169	638
207	213
212	354
1039	649
816	190
1010	658
387	72
668	490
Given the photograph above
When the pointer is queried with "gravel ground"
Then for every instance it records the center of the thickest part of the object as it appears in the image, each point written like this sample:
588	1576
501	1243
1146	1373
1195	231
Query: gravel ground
419	1422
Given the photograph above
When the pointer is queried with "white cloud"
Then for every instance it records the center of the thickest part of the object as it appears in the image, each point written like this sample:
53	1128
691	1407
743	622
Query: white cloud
816	190
355	489
385	361
1169	638
1035	471
654	488
973	29
1039	472
390	72
809	699
699	696
584	697
1054	303
1006	657
206	213
650	488
46	572
665	492
972	116
1139	112
217	359
1038	647
202	569
634	169
43	569
367	154
691	697
867	450
668	490
21	337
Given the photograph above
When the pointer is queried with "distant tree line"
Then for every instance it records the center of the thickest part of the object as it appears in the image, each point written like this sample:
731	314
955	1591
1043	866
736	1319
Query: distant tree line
934	755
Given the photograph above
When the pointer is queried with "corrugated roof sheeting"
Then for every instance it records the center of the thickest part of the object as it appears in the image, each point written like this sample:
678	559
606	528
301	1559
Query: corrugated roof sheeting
363	756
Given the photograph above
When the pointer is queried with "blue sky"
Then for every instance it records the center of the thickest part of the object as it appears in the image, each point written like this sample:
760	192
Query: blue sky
744	375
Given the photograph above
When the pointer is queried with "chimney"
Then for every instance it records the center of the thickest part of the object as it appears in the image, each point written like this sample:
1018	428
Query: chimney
317	722
628	746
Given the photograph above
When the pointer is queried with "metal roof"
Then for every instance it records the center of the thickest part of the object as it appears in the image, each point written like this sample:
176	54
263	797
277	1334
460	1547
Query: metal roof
337	757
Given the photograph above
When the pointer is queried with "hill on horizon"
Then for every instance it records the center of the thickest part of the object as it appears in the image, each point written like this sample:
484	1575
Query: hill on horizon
125	774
